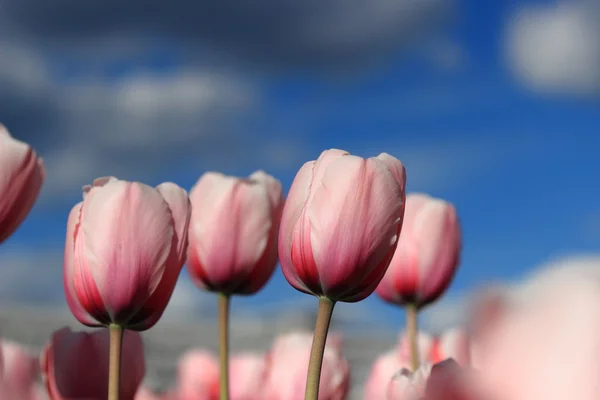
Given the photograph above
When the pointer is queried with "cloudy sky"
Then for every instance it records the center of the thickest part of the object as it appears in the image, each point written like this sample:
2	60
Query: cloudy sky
491	105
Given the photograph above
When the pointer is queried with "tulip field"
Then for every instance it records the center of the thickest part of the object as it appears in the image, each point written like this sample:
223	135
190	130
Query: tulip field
348	228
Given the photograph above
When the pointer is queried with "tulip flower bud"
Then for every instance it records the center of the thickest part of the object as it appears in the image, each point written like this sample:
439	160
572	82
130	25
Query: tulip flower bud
382	371
452	344
340	224
427	255
21	176
126	244
233	232
75	365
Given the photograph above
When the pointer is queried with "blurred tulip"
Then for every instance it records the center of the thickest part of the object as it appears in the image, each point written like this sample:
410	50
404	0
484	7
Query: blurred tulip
145	393
427	255
340	224
406	385
550	318
197	376
287	369
75	365
382	371
233	232
21	176
19	371
126	243
425	344
452	344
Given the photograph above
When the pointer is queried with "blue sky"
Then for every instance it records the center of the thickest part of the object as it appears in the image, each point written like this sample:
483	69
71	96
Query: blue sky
516	152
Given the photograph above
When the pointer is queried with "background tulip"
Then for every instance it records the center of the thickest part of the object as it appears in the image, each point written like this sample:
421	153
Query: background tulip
75	365
382	371
197	376
340	224
427	255
19	371
126	244
233	232
21	176
454	344
287	369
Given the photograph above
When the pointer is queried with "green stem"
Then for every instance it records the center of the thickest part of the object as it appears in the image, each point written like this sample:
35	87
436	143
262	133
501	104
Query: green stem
114	362
318	348
224	345
412	332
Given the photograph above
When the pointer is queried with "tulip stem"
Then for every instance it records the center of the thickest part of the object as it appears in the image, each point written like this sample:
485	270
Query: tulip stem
318	348
224	346
412	332
114	362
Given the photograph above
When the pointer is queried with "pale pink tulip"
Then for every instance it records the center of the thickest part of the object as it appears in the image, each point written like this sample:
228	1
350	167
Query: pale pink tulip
19	371
21	176
406	385
247	373
542	340
427	255
233	232
383	369
288	364
341	223
424	345
197	376
126	244
75	365
453	344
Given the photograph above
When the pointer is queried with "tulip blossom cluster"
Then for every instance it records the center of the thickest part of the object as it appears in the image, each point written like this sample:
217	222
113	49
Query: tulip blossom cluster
347	229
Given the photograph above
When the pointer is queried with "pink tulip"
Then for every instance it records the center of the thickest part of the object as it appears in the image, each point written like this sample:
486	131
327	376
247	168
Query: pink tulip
382	371
340	224
247	376
18	372
126	244
406	385
452	344
541	340
145	393
197	377
75	365
287	369
427	255
21	176
424	344
233	232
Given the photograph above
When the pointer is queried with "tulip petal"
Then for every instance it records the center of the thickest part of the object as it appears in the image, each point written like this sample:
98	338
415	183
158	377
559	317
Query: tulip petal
69	270
231	226
292	211
354	217
128	233
180	206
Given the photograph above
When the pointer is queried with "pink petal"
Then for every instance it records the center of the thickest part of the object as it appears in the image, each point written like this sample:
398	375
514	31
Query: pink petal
128	235
292	211
230	230
181	209
69	270
354	217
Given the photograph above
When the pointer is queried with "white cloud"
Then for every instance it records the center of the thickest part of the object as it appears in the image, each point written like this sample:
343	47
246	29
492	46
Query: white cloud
556	48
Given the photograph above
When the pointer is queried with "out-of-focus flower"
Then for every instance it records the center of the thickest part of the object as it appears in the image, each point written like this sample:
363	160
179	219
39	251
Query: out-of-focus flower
341	223
383	369
454	344
427	254
21	176
75	365
233	232
126	244
520	337
288	364
18	372
442	381
198	376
